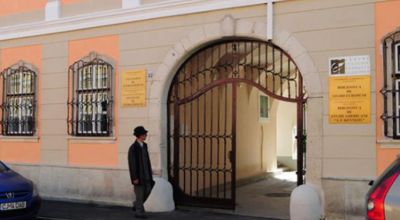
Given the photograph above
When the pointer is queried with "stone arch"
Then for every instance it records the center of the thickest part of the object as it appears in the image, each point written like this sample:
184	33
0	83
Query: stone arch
206	34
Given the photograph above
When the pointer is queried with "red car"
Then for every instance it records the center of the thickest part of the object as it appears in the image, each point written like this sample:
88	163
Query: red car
383	199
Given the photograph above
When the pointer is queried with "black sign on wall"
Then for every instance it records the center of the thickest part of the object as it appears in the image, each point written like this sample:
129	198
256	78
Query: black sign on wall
337	66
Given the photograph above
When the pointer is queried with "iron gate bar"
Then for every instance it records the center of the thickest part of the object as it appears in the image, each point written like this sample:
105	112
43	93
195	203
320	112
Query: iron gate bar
394	110
304	139
231	81
383	90
226	134
233	156
210	141
184	141
300	136
176	140
193	75
205	83
204	139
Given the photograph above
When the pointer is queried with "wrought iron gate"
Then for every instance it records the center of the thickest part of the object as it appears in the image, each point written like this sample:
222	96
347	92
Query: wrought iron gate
202	115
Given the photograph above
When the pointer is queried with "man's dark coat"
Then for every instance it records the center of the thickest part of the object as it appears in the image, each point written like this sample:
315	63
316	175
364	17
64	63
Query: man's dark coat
135	160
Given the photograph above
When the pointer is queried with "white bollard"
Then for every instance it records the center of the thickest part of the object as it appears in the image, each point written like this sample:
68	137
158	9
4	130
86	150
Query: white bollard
306	203
161	197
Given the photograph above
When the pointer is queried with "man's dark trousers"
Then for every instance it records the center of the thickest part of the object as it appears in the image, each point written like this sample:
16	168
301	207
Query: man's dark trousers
142	192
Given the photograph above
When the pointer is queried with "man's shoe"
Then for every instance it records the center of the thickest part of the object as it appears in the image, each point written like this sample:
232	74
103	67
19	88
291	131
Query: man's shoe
140	216
134	208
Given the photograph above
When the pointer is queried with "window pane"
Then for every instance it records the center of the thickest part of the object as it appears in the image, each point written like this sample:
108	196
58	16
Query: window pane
104	76
99	76
104	112
91	111
80	78
80	112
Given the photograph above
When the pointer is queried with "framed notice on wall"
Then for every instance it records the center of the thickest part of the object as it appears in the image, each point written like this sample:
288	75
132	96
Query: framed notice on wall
133	91
349	90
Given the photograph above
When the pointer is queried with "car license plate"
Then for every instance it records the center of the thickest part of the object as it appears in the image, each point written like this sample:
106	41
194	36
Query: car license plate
12	206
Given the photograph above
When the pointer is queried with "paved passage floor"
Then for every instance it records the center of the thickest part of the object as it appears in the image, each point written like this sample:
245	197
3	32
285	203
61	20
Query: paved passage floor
268	198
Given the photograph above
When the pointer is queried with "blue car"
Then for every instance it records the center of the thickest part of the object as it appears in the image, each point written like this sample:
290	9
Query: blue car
19	198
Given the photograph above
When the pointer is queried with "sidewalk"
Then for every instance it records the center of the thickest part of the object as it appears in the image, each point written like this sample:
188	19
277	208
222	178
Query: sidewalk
77	211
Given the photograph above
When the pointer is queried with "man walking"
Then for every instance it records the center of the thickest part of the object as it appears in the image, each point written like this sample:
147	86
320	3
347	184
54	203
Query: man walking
140	170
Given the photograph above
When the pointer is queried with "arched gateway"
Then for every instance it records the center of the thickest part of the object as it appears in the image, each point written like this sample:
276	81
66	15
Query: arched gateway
202	112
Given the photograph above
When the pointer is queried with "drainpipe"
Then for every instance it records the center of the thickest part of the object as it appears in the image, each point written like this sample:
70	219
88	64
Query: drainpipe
270	18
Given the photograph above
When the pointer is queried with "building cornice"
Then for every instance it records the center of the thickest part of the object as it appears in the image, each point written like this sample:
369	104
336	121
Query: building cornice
120	16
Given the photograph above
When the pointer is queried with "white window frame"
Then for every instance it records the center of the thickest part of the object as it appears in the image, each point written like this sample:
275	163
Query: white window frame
91	77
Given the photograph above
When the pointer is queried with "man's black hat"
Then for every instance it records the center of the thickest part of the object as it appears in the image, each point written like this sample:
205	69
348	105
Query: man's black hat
139	130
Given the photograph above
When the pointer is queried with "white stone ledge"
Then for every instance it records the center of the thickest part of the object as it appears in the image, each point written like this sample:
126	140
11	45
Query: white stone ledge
24	139
92	140
156	172
363	179
389	143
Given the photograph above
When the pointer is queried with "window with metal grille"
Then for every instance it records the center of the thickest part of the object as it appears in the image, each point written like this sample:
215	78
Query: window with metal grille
91	98
19	101
391	85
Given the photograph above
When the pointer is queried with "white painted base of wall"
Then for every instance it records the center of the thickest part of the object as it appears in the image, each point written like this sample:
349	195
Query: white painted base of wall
90	185
345	197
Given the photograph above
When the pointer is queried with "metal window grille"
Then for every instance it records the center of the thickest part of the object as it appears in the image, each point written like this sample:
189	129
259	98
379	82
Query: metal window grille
90	101
391	85
19	101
